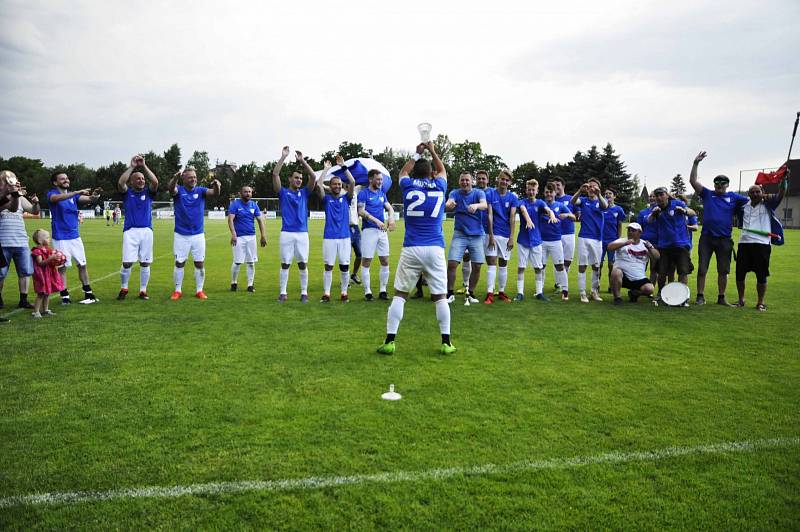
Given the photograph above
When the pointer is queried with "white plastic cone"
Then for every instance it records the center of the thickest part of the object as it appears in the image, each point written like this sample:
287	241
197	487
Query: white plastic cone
391	395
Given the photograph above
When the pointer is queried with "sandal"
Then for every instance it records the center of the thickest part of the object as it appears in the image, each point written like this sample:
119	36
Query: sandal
761	307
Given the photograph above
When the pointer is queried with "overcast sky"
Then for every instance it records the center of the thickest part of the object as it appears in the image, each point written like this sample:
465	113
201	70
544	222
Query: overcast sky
95	81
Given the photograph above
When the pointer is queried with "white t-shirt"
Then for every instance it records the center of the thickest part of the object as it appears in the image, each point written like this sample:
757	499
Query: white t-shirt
632	260
755	218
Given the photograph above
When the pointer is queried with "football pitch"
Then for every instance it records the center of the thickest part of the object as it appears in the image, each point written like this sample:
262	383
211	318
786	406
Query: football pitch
240	411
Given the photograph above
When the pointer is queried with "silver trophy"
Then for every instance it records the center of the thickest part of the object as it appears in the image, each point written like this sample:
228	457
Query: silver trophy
424	132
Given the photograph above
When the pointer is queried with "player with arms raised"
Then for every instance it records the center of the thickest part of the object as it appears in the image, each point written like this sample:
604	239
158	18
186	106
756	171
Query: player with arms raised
423	246
336	235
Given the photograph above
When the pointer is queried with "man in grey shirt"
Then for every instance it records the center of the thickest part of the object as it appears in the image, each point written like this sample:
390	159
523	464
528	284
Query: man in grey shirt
14	238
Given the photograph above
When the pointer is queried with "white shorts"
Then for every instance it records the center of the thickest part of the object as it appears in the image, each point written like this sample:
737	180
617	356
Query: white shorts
590	252
489	251
532	256
137	245
568	245
374	239
182	245
554	250
500	247
333	248
245	249
73	249
294	246
414	261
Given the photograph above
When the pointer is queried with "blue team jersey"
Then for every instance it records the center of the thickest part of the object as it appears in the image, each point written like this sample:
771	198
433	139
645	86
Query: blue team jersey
138	208
490	194
591	218
691	220
423	210
530	237
337	216
718	212
190	206
466	222
568	225
64	222
552	232
501	212
244	216
613	217
672	232
373	201
649	230
294	209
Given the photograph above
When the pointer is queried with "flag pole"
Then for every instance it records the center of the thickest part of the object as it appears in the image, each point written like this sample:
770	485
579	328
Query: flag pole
788	158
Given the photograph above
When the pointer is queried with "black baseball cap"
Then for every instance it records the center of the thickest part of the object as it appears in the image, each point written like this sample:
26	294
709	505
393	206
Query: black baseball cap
721	180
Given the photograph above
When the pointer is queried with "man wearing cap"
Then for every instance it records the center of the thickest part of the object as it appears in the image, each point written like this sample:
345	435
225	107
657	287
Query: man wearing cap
630	266
669	215
14	237
719	206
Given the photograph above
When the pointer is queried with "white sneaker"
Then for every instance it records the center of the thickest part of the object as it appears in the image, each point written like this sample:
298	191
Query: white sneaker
472	300
36	315
451	299
88	301
48	312
584	299
596	296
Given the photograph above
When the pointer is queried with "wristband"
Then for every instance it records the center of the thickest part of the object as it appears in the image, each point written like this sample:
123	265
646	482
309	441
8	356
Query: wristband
416	156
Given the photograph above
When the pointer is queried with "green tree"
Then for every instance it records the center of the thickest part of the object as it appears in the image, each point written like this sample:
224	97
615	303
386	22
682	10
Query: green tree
678	186
172	159
348	150
199	160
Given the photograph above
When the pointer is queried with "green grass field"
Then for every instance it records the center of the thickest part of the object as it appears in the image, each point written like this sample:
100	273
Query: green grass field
550	415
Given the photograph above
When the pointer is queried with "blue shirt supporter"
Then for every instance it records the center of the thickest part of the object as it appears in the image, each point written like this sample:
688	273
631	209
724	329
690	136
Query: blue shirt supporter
530	238
423	211
591	218
294	209
649	230
691	220
244	216
671	225
491	194
337	216
138	208
373	201
466	222
613	217
568	225
501	212
64	222
718	212
190	206
552	232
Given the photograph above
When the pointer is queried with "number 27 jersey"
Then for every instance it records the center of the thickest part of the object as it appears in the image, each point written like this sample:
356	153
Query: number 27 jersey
423	210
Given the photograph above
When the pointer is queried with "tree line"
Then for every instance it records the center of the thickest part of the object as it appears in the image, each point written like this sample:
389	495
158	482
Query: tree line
604	164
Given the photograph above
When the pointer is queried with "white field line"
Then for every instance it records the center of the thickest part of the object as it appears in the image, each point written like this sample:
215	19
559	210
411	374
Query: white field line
311	483
116	272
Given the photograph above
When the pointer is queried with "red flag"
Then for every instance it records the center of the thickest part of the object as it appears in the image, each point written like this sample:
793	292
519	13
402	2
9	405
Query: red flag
768	178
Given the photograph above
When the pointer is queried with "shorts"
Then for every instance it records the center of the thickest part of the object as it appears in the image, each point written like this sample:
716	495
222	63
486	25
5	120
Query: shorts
294	246
489	251
245	249
631	284
553	250
182	245
73	249
722	247
568	245
137	245
611	254
530	255
590	252
462	243
415	260
23	263
373	240
355	240
672	259
753	258
500	247
333	248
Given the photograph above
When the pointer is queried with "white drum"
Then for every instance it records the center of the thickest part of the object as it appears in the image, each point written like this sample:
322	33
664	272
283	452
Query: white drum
675	294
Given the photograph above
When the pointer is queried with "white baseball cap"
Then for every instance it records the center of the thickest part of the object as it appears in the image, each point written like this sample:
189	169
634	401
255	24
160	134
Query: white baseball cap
634	225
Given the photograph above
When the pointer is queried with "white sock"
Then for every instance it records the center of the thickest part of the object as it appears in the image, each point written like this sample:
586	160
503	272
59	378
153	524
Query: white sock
304	282
443	315
491	273
199	278
395	315
581	281
365	280
124	276
539	281
284	280
344	279
235	272
384	278
251	273
177	278
327	281
520	282
562	279
502	278
144	278
596	280
466	271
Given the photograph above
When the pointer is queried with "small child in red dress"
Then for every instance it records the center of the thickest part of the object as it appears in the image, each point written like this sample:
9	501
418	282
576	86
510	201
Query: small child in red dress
46	279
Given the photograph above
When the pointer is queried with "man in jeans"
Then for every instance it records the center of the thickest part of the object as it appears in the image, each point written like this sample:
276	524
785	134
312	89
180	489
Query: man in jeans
14	237
719	206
